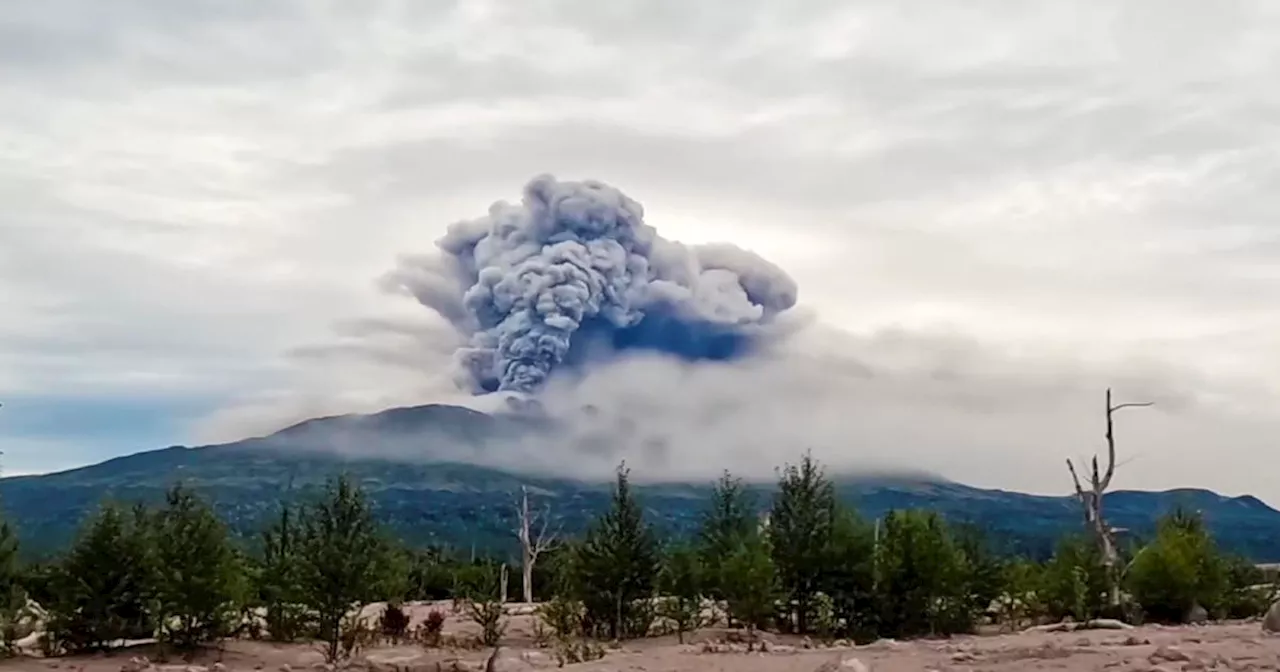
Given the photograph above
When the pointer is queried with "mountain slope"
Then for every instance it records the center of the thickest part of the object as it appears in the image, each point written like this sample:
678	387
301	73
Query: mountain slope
465	505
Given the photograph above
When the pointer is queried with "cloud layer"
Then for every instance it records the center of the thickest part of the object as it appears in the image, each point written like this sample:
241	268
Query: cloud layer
993	212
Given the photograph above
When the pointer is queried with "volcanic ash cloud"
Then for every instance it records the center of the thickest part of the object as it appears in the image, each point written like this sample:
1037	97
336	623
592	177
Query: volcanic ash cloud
573	274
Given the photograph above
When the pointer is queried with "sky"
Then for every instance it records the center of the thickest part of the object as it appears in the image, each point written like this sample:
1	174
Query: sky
993	211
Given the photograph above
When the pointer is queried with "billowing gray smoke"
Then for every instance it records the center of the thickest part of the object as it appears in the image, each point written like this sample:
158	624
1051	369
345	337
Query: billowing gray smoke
572	273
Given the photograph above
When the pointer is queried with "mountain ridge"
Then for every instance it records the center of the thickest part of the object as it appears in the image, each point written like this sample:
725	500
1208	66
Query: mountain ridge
438	499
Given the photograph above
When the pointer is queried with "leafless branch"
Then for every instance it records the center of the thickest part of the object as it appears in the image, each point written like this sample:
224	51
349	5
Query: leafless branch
530	546
1099	480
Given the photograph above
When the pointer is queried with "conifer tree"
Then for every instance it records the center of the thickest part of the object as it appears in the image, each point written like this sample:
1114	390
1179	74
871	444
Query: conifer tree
848	573
727	522
800	527
278	588
12	595
198	576
750	583
340	554
616	567
680	583
104	584
922	578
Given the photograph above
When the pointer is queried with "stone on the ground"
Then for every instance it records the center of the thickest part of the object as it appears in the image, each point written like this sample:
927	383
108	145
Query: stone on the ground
1196	614
1271	623
136	664
843	664
1168	654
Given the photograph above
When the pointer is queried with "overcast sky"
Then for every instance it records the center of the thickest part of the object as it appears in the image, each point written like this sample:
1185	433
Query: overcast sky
993	210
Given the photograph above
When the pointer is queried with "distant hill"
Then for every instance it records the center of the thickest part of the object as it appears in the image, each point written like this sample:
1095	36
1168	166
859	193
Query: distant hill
470	506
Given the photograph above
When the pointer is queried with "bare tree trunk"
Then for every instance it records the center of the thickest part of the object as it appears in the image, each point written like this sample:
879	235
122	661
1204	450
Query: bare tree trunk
1092	498
503	575
531	546
526	576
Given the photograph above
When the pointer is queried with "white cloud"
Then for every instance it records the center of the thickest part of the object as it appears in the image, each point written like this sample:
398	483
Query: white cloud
198	198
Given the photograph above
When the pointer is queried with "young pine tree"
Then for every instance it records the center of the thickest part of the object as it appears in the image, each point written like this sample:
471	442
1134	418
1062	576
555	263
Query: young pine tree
800	527
12	595
616	567
680	583
339	560
750	583
921	583
278	579
728	521
104	584
848	574
199	580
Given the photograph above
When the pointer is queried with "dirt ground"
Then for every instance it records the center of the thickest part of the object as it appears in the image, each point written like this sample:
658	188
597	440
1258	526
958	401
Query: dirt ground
1235	647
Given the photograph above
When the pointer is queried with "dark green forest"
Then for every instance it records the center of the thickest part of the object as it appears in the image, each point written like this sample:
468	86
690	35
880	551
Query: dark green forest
811	564
467	506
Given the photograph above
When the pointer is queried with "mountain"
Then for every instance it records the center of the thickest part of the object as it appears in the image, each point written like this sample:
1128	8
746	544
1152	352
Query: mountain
448	501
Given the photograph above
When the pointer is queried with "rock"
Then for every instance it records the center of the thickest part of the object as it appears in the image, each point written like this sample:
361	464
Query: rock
1168	654
218	667
840	644
136	664
806	643
534	657
507	662
843	664
286	668
1271	622
1133	640
1196	615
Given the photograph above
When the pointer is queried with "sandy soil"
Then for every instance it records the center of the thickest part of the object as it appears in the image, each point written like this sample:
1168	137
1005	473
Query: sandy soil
1234	647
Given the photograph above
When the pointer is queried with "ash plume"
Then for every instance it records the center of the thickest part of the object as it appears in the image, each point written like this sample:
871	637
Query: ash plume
573	273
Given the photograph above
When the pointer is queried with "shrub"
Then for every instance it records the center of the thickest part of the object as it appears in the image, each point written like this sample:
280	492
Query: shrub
488	614
429	631
1074	583
1179	569
562	615
394	622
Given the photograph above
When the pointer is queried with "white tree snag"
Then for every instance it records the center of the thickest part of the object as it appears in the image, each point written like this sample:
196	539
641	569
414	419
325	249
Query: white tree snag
1091	500
531	546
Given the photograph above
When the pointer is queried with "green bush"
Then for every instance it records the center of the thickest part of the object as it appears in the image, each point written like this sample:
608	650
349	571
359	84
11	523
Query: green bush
923	581
1249	594
1074	582
1180	568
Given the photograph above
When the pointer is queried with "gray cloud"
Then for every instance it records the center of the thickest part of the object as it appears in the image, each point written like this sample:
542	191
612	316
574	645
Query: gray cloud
993	211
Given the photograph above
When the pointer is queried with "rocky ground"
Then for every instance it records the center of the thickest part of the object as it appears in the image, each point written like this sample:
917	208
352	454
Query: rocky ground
1235	647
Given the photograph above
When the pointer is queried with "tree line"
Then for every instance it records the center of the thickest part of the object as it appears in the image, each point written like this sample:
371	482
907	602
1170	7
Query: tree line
803	562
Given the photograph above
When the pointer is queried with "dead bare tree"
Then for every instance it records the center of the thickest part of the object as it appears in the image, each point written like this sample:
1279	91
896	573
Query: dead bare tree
531	546
1091	501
